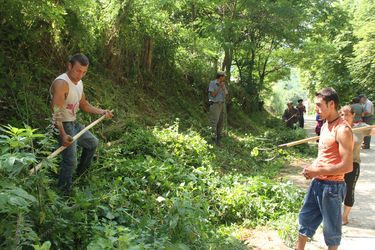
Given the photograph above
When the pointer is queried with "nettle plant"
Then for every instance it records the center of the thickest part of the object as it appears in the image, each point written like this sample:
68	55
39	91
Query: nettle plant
19	193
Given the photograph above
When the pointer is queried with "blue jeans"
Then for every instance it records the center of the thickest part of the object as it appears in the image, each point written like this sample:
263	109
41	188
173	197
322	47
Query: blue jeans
323	203
87	141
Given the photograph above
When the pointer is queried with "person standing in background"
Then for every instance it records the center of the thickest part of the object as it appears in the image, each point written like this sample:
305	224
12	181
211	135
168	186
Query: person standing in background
347	112
319	124
290	115
367	117
301	109
358	110
216	94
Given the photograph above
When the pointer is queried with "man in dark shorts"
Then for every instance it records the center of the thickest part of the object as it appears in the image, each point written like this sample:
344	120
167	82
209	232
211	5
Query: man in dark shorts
327	190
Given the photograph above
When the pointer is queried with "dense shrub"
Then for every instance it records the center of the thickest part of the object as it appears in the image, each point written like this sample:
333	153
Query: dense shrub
158	188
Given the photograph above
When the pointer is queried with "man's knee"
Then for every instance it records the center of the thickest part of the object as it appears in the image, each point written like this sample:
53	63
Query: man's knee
89	142
71	161
93	143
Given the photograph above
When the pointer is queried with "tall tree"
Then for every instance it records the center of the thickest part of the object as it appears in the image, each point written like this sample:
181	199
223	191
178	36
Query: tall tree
325	55
362	66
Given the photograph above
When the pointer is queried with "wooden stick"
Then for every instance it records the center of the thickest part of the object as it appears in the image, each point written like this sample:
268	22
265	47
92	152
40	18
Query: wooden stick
60	149
291	118
290	144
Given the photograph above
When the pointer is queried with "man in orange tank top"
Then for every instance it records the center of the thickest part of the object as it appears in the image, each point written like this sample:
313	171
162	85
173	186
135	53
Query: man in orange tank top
327	190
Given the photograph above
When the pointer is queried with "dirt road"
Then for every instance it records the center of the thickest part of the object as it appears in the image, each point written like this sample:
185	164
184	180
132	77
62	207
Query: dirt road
360	232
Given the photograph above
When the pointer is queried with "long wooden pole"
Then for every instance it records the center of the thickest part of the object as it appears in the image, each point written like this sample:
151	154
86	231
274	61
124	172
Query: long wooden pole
60	149
290	144
291	118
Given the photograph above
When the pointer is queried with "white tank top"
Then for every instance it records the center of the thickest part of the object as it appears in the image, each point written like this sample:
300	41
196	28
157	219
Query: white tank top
71	103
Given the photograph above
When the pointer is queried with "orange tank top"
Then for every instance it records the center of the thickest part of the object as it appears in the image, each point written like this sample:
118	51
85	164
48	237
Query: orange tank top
329	149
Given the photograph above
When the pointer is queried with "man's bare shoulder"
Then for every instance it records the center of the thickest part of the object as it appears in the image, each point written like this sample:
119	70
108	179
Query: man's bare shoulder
59	86
344	133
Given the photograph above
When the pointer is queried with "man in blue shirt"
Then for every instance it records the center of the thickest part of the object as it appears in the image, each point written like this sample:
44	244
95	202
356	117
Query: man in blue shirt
367	117
216	94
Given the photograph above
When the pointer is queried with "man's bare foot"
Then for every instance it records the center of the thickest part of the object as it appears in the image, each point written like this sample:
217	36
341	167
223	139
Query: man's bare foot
345	222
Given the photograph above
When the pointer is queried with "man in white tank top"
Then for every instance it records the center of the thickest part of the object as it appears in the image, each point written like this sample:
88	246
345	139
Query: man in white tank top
67	96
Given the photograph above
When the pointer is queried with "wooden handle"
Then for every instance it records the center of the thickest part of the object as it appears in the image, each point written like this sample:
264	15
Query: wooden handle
290	144
291	117
60	149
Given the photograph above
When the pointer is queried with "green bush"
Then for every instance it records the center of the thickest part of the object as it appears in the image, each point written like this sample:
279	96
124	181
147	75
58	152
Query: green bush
158	188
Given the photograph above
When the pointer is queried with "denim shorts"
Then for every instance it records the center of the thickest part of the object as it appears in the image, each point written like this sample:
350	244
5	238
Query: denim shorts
323	203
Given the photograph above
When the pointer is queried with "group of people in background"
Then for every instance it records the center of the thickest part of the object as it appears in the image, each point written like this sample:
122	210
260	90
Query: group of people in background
364	112
293	115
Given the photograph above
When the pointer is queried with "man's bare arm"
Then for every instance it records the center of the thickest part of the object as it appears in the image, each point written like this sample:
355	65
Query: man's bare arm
364	114
85	106
59	91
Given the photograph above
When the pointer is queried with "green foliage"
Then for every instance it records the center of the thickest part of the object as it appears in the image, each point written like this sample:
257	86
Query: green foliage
254	201
361	65
156	188
151	61
339	49
287	226
284	91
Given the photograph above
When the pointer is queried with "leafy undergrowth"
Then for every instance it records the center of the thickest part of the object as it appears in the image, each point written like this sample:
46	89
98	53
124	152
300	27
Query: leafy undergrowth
157	188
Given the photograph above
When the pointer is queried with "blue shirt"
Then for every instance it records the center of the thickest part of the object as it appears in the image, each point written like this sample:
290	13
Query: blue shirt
368	107
214	85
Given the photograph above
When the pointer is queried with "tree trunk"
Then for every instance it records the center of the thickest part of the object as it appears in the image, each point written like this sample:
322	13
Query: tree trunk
112	32
227	63
146	56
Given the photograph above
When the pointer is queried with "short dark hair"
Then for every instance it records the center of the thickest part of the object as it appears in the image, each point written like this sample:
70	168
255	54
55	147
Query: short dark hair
79	57
356	100
329	94
300	100
219	74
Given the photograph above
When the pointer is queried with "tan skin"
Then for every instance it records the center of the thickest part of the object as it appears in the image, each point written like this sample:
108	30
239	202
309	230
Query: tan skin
329	112
60	90
221	81
349	117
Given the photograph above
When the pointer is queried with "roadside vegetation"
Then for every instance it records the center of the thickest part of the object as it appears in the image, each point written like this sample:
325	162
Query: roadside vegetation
153	187
156	182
